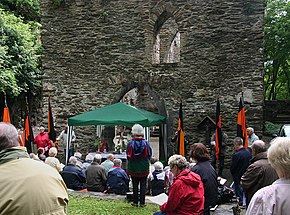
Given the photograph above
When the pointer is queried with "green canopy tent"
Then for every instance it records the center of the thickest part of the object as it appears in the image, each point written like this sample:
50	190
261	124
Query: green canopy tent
116	114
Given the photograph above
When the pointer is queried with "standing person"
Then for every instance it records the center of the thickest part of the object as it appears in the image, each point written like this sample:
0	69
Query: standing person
221	155
139	154
204	169
118	180
62	141
96	175
252	137
27	186
186	194
240	162
260	173
108	163
42	140
274	199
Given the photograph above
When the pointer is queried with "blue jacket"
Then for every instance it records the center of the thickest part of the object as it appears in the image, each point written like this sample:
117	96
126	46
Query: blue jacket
118	181
240	162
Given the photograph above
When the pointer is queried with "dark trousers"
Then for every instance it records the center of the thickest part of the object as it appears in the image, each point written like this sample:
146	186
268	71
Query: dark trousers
221	164
136	181
238	191
159	213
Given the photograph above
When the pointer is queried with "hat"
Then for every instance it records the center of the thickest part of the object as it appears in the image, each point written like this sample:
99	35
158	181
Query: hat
137	130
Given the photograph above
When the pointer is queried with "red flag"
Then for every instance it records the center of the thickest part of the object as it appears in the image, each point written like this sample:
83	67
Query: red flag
6	115
27	135
218	131
51	130
241	123
180	137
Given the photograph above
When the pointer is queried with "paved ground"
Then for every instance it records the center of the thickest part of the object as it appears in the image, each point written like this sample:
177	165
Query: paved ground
225	209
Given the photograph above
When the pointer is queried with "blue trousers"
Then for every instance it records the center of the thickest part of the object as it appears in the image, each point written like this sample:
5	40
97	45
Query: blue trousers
239	192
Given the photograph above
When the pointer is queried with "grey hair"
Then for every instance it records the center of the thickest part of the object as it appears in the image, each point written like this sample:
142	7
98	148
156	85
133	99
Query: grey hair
238	141
179	161
158	165
137	130
73	160
117	162
279	156
250	129
78	155
89	157
52	152
8	136
98	158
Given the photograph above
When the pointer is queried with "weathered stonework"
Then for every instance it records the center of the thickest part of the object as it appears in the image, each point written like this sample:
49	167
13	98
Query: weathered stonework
97	51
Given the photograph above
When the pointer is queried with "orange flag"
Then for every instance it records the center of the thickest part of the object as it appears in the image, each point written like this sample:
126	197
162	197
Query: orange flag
241	123
6	115
180	137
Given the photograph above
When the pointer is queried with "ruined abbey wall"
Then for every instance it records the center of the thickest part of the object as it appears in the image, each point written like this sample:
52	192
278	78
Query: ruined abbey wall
95	51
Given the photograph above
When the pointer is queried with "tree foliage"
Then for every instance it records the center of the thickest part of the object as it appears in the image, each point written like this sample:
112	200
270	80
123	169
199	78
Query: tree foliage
20	51
277	50
28	9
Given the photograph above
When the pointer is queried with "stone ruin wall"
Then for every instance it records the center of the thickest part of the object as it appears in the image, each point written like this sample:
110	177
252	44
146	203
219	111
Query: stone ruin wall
97	50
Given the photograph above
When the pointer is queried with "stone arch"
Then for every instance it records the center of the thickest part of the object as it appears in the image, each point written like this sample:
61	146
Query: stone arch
165	33
156	104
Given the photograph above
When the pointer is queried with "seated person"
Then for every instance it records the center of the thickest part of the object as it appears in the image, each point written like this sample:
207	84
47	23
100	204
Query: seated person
78	155
89	159
52	160
186	194
73	176
157	179
96	175
108	163
118	180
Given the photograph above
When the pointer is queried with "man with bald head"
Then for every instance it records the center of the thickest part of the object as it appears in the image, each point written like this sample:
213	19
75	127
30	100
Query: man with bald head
27	186
260	173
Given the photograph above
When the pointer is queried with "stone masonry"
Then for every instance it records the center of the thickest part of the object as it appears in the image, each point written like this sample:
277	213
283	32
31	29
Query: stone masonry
96	51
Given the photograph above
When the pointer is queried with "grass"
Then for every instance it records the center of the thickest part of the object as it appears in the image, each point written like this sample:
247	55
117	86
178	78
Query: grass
89	205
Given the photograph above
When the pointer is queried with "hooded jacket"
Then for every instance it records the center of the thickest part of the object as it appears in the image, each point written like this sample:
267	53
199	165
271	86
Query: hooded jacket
138	156
186	196
28	186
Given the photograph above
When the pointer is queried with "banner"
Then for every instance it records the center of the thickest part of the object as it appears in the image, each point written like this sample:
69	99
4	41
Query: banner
180	135
218	131
241	123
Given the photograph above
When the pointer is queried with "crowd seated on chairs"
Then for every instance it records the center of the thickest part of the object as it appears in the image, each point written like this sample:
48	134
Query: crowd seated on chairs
118	180
73	176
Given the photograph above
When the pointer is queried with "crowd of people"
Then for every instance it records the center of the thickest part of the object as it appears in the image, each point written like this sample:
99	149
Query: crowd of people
260	175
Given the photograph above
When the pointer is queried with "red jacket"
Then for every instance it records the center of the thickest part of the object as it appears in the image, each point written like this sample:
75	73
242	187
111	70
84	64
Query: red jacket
186	196
42	140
